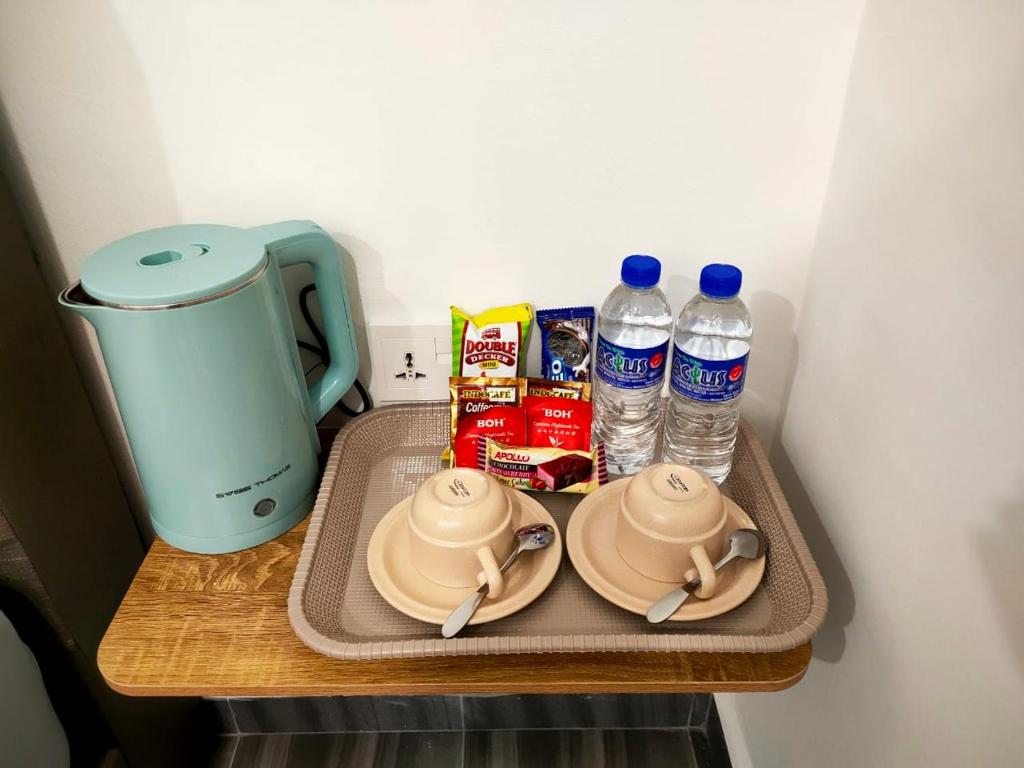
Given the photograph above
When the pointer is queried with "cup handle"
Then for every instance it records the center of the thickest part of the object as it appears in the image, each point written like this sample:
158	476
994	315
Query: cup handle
492	572
706	571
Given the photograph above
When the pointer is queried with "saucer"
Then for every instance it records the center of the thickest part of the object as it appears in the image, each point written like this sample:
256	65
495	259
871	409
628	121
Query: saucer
390	565
590	540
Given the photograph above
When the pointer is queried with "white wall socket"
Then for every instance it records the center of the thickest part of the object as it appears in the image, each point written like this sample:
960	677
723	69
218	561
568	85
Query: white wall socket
409	362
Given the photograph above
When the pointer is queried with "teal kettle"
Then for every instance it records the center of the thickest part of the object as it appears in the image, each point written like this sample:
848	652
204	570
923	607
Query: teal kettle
198	342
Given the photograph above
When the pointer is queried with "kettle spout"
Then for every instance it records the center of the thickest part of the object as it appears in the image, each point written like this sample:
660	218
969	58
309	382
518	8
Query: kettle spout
77	300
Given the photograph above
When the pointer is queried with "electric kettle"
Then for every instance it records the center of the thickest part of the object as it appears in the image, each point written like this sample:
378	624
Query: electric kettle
198	342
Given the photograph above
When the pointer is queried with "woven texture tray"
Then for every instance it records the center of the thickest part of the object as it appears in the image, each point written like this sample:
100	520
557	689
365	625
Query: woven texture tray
381	458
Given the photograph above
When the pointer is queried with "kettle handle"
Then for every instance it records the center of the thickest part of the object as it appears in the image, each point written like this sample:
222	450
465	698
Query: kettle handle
295	242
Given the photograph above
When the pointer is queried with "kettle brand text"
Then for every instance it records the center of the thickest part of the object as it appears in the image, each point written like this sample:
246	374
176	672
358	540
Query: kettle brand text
257	484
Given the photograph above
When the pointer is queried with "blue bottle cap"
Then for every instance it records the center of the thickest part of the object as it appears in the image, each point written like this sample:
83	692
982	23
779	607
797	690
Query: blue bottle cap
639	271
721	281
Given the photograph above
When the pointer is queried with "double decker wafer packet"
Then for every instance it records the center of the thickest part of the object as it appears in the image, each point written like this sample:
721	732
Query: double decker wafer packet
491	343
543	469
484	407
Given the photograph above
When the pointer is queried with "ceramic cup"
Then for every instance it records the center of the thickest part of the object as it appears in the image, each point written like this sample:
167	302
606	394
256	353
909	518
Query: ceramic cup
671	520
460	529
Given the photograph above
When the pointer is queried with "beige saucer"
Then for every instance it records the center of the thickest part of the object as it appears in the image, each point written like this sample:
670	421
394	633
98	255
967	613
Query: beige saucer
590	541
392	573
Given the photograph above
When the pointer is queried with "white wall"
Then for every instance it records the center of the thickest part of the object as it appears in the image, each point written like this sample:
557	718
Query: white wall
462	152
905	422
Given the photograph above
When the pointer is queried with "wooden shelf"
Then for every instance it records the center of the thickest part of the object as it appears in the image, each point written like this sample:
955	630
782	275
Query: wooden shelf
217	625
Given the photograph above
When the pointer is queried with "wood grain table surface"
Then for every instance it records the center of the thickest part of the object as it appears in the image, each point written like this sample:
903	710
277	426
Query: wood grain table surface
217	625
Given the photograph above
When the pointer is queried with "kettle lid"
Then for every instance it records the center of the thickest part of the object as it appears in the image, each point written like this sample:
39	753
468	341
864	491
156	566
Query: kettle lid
173	265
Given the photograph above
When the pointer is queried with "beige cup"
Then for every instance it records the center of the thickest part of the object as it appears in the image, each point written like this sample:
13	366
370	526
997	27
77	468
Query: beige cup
671	521
460	529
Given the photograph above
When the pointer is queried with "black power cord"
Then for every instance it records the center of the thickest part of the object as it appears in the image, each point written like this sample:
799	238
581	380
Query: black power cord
321	350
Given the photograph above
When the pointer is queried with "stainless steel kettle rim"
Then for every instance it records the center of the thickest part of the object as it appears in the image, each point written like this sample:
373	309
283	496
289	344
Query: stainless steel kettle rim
66	295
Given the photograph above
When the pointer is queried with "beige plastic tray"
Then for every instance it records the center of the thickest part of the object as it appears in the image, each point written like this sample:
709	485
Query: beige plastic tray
380	458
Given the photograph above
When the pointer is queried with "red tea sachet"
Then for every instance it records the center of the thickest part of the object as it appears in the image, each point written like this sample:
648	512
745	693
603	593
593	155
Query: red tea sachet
556	422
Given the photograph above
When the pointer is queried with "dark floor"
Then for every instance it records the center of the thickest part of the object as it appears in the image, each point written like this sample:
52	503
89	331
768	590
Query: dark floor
678	730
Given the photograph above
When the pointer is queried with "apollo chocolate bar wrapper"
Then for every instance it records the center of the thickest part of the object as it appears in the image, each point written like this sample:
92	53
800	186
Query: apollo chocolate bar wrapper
543	469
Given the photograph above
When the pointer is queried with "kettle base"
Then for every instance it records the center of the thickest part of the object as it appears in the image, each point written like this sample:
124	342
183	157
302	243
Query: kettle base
220	545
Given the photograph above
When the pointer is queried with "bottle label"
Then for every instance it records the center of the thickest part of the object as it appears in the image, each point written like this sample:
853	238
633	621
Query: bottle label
629	368
710	381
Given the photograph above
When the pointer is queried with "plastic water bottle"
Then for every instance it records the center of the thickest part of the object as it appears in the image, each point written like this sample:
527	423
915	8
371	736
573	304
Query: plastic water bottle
633	330
709	366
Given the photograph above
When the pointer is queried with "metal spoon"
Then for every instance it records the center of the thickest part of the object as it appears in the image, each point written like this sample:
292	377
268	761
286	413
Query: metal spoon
528	538
744	542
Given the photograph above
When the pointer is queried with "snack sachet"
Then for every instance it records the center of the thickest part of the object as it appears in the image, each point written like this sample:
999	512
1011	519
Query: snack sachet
570	390
484	407
557	422
566	335
492	343
543	469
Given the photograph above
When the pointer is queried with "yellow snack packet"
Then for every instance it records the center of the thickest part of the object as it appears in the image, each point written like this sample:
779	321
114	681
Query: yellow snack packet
491	343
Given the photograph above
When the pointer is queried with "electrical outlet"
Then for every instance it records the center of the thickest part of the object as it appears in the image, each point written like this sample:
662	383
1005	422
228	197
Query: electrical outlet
409	362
